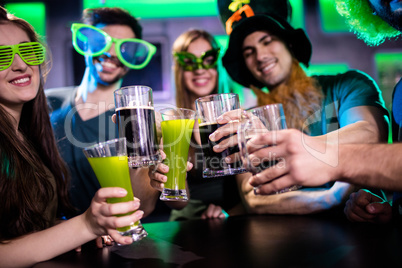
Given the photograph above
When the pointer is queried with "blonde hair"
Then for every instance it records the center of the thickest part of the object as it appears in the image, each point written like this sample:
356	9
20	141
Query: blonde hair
183	95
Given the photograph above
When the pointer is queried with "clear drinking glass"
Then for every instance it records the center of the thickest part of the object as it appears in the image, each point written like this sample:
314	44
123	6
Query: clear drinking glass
136	122
110	164
177	129
258	121
209	108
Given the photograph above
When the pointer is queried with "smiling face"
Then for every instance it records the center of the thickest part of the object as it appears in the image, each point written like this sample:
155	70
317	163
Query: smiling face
19	83
389	10
107	68
267	58
200	82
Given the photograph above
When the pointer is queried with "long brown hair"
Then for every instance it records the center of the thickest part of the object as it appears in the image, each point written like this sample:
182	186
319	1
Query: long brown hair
25	189
183	95
301	97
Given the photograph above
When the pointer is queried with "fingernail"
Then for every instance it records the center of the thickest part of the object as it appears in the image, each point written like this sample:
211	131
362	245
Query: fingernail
256	191
139	213
136	204
212	137
165	167
228	159
216	147
128	240
219	118
122	192
370	208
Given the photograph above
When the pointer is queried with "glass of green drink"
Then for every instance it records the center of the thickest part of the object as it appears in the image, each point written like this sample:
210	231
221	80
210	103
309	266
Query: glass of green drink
177	129
110	163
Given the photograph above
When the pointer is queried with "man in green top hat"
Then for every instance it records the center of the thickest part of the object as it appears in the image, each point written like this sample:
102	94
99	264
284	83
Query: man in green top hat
265	54
376	166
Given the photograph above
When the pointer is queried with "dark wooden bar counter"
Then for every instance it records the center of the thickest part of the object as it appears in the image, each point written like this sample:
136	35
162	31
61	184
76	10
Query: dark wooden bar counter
250	241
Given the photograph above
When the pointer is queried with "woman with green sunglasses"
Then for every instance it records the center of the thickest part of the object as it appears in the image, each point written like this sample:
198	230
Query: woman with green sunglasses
33	176
198	73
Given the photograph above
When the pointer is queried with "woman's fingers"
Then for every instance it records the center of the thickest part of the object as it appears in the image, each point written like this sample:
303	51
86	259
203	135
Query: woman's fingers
109	192
119	208
156	174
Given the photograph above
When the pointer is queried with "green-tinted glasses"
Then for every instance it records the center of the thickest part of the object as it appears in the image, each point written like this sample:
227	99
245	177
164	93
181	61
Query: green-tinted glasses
190	62
32	53
91	41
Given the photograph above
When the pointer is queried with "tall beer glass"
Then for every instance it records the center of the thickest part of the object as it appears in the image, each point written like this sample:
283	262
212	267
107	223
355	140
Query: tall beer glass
258	121
209	108
136	122
177	129
109	162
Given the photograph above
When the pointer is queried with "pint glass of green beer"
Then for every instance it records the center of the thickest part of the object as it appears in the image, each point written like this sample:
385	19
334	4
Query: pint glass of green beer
110	163
177	129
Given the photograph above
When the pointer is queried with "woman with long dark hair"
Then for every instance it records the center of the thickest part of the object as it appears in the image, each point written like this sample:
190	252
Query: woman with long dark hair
33	177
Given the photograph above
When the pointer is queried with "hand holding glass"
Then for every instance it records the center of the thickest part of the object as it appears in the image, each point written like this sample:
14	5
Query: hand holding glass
209	108
177	129
109	162
258	121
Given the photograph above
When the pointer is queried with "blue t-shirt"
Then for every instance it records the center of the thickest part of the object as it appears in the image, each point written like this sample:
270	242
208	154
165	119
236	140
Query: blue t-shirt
342	92
396	137
72	135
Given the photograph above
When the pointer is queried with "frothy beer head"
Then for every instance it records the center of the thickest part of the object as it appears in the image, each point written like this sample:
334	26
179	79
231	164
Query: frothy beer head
134	107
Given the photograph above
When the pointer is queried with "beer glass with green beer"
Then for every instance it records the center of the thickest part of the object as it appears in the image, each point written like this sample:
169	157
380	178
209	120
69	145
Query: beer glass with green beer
177	129
110	164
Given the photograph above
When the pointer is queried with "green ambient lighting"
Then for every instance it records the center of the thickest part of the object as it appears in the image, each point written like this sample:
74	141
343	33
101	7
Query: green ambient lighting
223	41
327	68
33	12
330	19
158	9
297	20
389	71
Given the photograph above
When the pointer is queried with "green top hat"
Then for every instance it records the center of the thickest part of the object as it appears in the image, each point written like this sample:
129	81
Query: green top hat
243	17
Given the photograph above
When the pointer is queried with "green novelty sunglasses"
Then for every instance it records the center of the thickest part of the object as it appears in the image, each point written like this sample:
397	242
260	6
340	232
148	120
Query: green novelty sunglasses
91	41
32	53
190	62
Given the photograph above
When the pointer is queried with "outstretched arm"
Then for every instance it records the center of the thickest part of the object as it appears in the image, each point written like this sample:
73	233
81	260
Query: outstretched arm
96	221
309	161
360	124
303	157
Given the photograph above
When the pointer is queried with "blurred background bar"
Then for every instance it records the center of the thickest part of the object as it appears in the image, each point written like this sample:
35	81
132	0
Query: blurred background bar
335	49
